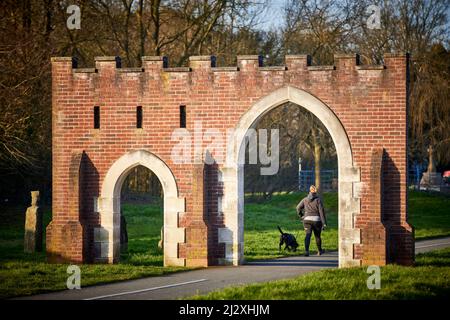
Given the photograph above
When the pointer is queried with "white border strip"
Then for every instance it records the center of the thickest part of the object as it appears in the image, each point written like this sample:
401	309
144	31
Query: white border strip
145	290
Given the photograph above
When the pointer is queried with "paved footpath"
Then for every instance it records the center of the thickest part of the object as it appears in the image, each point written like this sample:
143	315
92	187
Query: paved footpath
184	284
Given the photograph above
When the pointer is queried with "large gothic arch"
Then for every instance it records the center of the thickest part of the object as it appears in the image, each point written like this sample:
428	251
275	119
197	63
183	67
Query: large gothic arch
233	233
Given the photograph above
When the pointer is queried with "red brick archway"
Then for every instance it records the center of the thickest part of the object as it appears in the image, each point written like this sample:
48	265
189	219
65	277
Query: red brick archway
363	107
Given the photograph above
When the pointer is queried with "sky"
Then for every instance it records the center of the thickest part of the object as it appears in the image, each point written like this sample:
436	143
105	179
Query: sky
274	14
275	11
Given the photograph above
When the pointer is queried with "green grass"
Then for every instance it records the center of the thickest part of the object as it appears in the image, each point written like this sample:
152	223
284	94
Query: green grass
261	235
429	213
24	274
144	224
430	278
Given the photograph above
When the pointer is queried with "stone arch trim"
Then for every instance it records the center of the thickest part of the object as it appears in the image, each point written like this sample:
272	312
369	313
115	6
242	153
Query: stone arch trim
107	236
232	235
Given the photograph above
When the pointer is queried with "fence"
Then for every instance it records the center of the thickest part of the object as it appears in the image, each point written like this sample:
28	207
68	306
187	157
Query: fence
414	177
328	179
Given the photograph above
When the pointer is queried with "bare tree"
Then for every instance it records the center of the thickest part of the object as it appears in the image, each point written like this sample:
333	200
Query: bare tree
301	135
430	109
322	27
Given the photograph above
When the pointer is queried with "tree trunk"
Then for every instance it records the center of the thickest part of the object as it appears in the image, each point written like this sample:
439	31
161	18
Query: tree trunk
142	34
26	15
155	14
48	18
431	164
317	154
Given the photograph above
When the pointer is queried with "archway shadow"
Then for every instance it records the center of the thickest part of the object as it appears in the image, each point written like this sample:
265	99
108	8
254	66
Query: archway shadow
399	235
329	260
89	190
213	217
296	263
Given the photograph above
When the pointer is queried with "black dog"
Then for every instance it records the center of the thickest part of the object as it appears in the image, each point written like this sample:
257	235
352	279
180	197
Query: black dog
288	240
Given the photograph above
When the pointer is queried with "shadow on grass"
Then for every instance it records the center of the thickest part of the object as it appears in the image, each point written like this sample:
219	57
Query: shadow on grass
439	258
24	274
297	263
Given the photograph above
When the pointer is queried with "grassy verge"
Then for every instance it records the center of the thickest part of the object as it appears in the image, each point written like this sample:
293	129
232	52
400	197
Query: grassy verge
430	278
144	224
428	213
261	219
26	274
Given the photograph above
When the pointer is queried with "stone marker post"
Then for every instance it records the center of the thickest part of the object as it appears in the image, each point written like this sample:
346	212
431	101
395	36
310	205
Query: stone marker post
431	178
33	225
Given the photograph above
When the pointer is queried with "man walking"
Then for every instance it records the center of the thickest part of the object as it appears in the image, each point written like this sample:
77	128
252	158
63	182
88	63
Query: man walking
313	218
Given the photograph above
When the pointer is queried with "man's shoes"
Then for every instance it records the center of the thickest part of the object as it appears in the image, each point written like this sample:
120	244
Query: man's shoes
306	253
320	252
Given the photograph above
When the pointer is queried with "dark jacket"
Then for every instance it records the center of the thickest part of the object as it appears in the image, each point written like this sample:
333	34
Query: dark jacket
312	206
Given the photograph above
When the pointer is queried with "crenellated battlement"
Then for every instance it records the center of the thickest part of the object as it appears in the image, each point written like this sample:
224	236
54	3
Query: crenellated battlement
245	63
249	72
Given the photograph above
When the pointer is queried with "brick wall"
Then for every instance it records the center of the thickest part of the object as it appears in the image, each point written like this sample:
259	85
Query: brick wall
370	101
